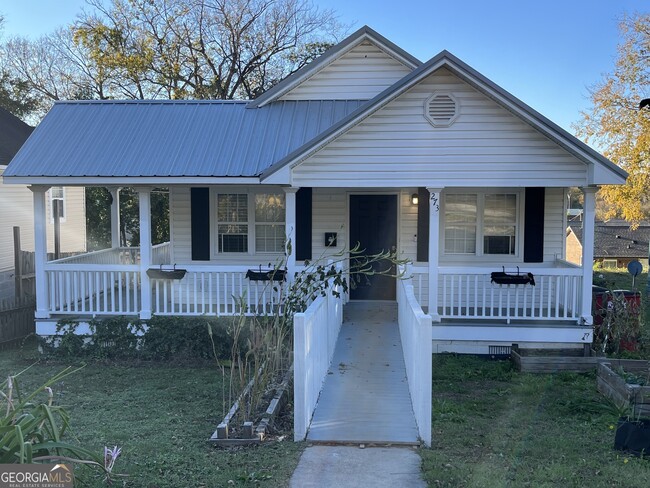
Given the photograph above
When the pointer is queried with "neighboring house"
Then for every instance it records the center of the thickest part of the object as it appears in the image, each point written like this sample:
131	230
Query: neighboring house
18	207
615	244
366	144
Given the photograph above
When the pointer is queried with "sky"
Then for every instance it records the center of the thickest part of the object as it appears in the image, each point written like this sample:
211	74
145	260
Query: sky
545	52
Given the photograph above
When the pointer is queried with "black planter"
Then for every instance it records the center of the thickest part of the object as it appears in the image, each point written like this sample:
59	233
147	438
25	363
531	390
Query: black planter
166	274
633	436
266	274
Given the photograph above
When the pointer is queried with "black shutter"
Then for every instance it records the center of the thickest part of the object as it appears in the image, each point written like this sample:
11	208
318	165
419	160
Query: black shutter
423	226
200	221
534	226
303	224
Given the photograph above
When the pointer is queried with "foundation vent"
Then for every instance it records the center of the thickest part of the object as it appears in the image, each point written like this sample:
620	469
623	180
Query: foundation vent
499	351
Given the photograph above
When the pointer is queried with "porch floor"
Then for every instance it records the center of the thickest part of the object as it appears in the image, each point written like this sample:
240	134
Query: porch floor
365	398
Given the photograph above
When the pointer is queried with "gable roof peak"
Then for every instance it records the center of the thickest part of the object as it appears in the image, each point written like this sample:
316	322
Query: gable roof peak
332	54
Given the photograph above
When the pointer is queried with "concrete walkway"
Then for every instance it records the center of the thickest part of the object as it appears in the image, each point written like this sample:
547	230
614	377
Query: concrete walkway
365	397
353	467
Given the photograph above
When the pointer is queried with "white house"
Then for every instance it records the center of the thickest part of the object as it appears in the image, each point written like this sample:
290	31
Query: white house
16	202
366	144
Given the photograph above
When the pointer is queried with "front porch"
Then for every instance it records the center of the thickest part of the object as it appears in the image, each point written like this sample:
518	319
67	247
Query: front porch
110	282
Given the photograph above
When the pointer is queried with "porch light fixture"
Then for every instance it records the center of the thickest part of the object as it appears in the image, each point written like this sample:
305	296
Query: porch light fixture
415	199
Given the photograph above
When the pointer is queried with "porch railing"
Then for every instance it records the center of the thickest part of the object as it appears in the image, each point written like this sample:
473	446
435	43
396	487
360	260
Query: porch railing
416	334
93	289
161	253
116	255
215	290
468	293
314	337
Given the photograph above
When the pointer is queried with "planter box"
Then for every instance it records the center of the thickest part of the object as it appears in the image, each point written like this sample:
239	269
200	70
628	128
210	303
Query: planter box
166	274
266	274
251	434
613	385
554	360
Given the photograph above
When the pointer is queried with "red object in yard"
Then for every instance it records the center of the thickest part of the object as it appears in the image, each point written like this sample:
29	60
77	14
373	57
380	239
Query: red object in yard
631	345
602	300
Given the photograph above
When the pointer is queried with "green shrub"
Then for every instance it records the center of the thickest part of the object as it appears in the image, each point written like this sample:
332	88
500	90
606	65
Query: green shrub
161	338
115	337
169	337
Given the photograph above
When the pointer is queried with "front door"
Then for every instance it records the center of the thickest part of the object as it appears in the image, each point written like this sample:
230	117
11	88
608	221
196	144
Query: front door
373	224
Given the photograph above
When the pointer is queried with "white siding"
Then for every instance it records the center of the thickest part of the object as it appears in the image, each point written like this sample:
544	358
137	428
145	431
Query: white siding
554	224
73	229
329	214
486	146
180	224
17	205
359	74
181	232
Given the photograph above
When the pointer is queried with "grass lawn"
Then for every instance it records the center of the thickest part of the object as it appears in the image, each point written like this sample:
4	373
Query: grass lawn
161	415
495	427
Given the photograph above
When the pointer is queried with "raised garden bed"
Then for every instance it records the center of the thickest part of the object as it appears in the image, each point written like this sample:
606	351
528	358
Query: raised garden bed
555	360
249	433
612	384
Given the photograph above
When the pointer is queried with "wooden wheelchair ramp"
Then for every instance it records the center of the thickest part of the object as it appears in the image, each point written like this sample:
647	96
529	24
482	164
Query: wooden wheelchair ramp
365	397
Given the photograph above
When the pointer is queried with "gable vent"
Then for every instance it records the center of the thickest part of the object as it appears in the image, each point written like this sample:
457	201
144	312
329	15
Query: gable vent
441	109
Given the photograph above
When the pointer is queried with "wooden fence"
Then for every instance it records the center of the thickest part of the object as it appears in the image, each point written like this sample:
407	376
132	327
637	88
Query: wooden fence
16	321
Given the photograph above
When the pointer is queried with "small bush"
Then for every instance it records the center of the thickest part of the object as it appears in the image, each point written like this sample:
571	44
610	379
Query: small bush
169	337
161	338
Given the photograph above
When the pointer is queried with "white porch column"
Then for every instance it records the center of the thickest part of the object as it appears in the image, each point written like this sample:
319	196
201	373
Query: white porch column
40	251
434	250
144	196
115	216
290	222
588	218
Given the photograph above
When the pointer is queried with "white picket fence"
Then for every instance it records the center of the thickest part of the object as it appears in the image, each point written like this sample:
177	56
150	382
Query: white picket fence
314	337
416	335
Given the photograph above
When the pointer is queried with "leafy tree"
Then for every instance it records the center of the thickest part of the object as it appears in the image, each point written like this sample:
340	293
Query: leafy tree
98	217
617	125
221	49
14	93
16	98
157	49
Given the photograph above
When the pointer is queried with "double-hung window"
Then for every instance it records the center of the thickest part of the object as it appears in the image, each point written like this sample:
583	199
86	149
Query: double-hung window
232	222
252	222
269	222
481	223
57	201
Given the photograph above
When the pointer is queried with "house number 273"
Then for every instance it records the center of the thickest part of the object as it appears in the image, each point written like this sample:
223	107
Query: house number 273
434	202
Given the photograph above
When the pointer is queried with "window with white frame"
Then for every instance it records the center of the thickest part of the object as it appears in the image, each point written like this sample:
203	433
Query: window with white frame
232	222
255	218
57	199
269	222
481	223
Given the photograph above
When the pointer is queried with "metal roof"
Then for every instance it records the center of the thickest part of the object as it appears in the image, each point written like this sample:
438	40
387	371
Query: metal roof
171	138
